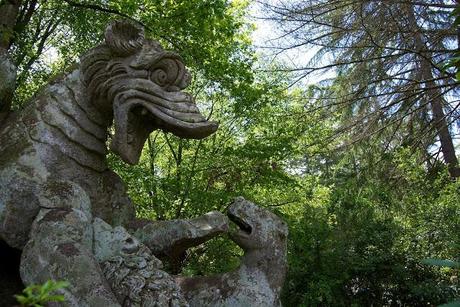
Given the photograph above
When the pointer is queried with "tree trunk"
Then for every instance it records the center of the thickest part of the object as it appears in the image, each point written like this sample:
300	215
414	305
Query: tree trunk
442	128
8	14
436	99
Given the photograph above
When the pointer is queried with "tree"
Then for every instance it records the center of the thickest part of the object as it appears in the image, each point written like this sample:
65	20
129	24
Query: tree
389	58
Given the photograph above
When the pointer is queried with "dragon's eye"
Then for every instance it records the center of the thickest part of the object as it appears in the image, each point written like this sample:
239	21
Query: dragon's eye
159	76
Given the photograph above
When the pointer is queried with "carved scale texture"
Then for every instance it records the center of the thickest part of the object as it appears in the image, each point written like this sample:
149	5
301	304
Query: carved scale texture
132	271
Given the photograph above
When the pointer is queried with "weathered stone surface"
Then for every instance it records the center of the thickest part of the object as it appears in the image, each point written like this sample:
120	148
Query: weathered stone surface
60	248
133	273
67	212
170	239
259	279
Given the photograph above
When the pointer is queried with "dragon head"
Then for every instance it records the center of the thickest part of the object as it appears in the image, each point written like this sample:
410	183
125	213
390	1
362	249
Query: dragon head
141	84
258	228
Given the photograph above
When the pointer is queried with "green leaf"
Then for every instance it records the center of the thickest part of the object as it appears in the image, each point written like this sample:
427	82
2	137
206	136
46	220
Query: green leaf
56	298
451	304
36	295
21	299
441	262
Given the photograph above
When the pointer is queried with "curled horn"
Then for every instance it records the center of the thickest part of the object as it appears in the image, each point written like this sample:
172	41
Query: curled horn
124	38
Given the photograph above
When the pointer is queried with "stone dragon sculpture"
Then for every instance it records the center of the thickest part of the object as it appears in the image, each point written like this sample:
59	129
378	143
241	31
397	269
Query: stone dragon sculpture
67	211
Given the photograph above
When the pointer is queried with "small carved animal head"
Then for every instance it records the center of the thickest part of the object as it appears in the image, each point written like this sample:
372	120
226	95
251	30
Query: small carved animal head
258	227
141	83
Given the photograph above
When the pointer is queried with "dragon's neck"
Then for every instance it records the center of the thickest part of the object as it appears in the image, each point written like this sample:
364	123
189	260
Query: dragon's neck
71	124
270	260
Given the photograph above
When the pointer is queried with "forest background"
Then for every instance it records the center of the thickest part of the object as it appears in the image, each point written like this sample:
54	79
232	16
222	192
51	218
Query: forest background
342	118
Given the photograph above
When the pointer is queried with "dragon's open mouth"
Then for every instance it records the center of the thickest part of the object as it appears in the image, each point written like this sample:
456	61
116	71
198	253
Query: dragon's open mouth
244	227
138	114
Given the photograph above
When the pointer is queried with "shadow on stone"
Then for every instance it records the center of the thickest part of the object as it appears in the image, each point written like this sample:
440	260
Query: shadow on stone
10	280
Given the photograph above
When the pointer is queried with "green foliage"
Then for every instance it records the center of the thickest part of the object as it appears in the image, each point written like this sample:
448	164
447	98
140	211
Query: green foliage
442	263
40	295
363	244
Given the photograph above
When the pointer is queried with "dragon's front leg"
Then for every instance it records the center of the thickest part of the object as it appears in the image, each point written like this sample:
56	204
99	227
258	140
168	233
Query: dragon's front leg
60	247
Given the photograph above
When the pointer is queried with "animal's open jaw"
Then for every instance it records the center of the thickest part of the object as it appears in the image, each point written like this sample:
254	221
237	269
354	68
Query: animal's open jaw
136	114
245	228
